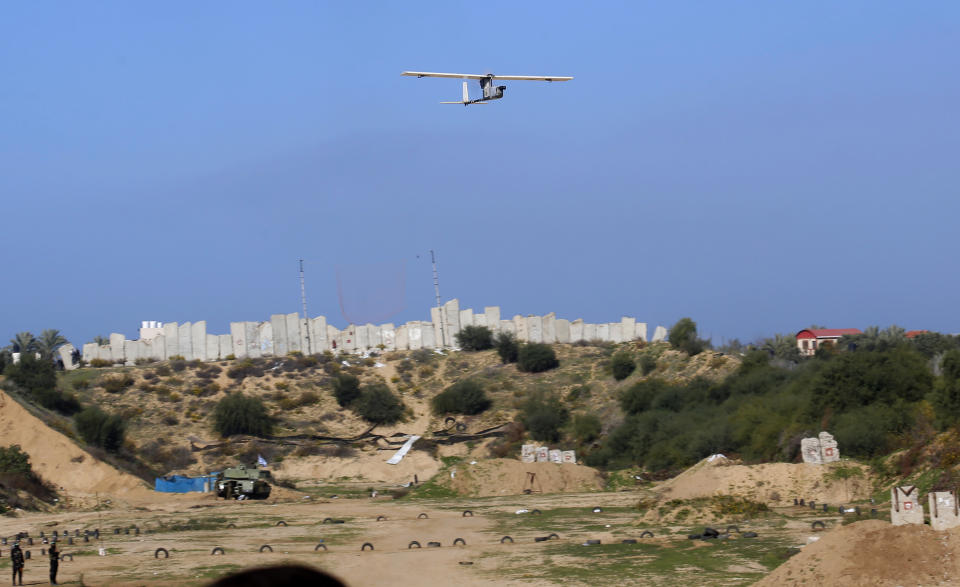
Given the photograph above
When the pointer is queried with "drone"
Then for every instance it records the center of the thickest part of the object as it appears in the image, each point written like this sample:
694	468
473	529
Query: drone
490	91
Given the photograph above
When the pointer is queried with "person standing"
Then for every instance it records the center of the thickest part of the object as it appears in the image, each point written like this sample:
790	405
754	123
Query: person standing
54	553
16	557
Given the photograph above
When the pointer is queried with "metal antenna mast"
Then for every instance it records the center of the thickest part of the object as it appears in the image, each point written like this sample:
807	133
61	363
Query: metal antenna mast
306	319
436	288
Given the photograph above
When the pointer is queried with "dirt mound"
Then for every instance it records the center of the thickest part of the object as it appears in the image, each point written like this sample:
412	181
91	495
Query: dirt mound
365	466
75	472
509	477
771	483
873	552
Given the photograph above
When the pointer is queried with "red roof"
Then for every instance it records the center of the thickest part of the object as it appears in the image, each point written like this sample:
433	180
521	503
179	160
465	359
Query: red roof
827	332
912	333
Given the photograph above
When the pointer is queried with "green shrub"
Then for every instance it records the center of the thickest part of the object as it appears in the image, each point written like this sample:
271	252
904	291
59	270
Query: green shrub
37	378
475	338
100	363
536	357
683	336
647	363
544	415
378	405
241	414
639	397
100	429
178	364
586	427
116	384
463	397
14	460
622	365
346	389
507	347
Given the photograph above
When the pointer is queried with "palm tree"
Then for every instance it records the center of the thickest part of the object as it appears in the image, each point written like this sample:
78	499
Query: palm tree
23	342
101	340
50	340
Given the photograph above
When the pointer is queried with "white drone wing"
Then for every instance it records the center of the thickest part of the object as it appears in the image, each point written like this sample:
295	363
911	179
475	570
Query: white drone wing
535	78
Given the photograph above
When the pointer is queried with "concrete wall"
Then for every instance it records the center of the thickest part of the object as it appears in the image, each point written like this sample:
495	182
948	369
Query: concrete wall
944	510
905	506
285	333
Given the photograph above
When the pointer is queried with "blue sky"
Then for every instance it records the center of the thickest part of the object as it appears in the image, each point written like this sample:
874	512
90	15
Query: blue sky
757	166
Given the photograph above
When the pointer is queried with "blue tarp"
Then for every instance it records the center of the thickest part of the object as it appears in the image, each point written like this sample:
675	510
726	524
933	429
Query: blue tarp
180	484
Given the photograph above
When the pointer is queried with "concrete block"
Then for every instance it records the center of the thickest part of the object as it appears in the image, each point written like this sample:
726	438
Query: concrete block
318	335
944	511
828	448
184	341
615	332
363	337
171	334
212	352
556	456
562	330
810	450
388	337
603	332
131	352
402	340
466	317
640	331
589	332
306	342
66	357
576	331
543	454
451	324
659	334
278	325
569	457
492	314
534	328
333	339
90	351
224	346
238	336
437	321
156	348
480	320
628	327
293	332
549	328
905	506
508	326
252	336
429	340
116	347
264	339
198	337
528	453
415	335
520	328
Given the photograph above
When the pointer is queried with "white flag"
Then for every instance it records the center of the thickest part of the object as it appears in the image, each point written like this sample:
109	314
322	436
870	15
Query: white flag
261	461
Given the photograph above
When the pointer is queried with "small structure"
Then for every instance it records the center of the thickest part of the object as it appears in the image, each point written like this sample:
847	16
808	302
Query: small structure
810	339
944	510
181	484
820	450
905	506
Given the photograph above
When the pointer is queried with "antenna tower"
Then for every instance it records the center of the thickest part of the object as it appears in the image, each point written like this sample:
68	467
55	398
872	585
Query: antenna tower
436	289
306	319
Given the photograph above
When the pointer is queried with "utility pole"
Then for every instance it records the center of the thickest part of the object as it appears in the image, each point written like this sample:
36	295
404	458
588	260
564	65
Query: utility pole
306	318
436	288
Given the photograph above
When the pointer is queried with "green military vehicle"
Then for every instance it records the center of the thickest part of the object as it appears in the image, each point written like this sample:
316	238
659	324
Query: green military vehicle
243	483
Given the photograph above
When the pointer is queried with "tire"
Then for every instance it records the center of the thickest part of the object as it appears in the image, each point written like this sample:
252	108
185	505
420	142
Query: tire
591	542
412	544
540	539
646	534
423	517
449	421
597	510
460	427
694	536
328	520
813	526
319	546
68	557
734	528
459	541
710	532
628	541
433	545
467	514
281	523
749	535
466	563
505	538
536	513
216	550
381	518
365	545
231	525
553	536
26	555
266	547
156	553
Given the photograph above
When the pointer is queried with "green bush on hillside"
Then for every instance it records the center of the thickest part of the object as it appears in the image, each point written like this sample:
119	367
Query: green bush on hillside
536	357
475	338
544	415
683	336
463	397
98	428
378	405
507	347
242	414
622	365
346	389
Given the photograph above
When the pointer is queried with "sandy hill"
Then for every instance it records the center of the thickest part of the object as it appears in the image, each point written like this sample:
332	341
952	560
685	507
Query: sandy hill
874	553
78	475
